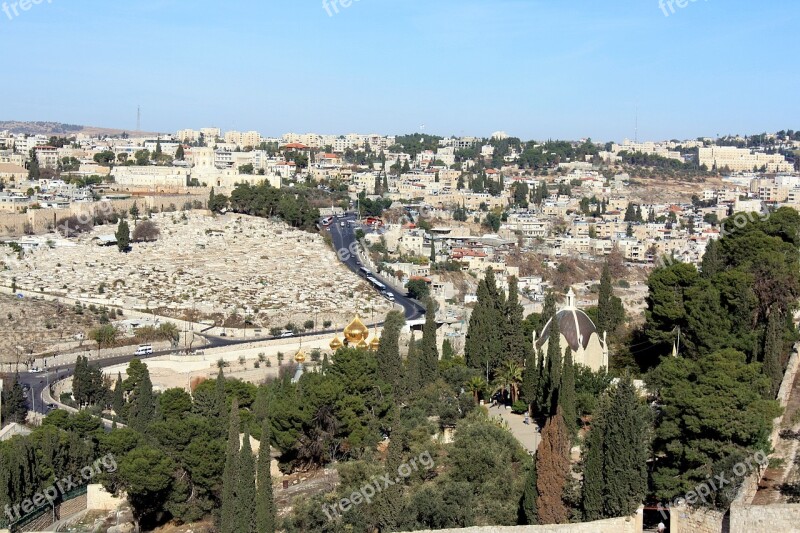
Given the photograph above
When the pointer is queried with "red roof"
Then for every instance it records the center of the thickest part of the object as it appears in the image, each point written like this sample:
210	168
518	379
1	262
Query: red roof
296	146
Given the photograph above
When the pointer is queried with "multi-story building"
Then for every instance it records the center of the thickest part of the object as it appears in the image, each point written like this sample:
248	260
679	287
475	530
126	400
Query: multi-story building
742	160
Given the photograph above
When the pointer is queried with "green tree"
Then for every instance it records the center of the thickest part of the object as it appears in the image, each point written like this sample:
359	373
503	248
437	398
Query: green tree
245	521
179	153
266	512
134	211
417	289
231	473
713	409
390	364
773	354
429	353
517	346
34	172
594	485
566	396
626	449
142	410
15	409
529	510
553	367
123	236
145	475
610	312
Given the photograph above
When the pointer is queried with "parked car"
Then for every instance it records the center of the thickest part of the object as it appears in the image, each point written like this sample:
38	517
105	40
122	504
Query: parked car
285	334
36	370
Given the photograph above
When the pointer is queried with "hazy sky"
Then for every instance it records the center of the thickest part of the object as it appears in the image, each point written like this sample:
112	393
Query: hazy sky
535	69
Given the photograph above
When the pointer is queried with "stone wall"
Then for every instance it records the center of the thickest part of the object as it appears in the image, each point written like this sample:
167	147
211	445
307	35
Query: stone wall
631	524
771	518
43	220
687	520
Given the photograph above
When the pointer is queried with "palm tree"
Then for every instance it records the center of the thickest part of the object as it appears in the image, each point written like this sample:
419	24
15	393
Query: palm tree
476	386
509	376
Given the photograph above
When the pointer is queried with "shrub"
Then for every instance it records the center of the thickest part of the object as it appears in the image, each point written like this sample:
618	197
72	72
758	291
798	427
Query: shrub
146	231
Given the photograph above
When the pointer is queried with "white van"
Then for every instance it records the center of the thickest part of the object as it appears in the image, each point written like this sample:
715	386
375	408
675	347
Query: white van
144	349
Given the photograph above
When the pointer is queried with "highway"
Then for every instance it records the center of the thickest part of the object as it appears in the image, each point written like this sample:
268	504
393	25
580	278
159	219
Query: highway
344	242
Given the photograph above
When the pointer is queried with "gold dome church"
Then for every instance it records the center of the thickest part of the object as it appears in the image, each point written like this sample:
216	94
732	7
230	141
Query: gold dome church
356	335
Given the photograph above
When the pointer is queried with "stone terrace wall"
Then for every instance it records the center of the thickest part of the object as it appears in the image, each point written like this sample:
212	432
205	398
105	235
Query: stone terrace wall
770	518
632	524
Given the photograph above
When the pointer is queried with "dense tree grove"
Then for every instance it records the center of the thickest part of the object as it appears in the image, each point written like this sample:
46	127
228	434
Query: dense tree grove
263	200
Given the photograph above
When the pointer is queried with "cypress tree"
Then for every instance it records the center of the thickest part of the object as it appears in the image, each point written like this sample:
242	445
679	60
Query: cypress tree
412	376
447	351
552	368
713	260
483	344
265	503
549	309
230	474
773	348
123	235
220	399
566	396
552	469
390	364
530	380
245	521
143	407
626	449
429	353
261	405
118	401
516	344
529	509
593	472
604	306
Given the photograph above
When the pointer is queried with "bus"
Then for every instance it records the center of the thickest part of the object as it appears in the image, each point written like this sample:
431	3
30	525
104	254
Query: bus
377	284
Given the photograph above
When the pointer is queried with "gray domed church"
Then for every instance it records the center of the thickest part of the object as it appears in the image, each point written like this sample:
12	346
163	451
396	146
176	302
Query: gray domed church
579	332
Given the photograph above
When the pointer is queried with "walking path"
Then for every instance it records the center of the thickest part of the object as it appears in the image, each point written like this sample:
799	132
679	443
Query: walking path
528	435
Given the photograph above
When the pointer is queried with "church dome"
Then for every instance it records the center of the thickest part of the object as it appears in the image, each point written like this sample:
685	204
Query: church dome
574	325
335	343
375	344
356	331
300	357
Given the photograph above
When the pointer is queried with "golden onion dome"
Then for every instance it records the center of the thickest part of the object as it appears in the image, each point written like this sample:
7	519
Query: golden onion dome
363	345
356	331
375	344
335	343
300	357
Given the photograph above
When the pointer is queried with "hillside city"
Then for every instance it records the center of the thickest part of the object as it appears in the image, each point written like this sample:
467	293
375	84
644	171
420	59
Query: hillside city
382	266
519	319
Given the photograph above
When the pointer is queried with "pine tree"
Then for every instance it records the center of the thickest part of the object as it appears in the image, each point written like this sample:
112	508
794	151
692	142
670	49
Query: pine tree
626	450
245	521
529	508
180	153
552	369
566	396
516	343
429	353
552	468
265	503
773	353
390	364
230	474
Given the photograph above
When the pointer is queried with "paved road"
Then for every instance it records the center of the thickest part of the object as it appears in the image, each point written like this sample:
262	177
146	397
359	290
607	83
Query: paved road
343	239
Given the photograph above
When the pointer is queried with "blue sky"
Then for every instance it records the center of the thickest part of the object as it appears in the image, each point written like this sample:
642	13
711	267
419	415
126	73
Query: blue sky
536	69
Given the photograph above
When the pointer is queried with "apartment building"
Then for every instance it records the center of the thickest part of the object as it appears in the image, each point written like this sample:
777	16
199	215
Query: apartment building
742	159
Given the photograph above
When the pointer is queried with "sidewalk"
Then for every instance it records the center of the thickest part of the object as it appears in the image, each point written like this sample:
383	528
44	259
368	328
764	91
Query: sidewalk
527	435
